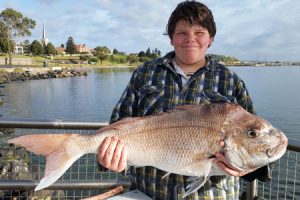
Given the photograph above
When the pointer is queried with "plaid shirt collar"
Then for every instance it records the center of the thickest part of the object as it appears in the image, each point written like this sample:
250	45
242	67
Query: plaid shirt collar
166	61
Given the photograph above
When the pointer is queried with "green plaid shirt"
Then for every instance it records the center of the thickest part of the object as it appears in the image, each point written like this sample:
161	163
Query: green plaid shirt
156	87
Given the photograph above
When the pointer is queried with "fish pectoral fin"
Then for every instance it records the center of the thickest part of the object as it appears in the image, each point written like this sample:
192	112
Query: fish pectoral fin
197	183
167	174
199	173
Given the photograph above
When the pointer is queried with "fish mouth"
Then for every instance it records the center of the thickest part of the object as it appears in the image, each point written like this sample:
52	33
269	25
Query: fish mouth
231	167
279	148
236	168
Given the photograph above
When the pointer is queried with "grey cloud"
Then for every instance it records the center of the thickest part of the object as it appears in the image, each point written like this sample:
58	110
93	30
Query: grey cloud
245	28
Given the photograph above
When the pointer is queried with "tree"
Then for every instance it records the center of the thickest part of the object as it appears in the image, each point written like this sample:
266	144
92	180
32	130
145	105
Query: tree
5	43
148	52
102	52
141	54
159	53
156	53
115	51
112	58
15	25
50	49
36	48
70	46
132	58
144	59
3	30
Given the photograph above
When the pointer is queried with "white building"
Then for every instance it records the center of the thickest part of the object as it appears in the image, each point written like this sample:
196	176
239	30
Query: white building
19	49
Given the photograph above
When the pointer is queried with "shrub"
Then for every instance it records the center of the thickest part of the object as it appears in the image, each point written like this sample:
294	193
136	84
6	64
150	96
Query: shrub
18	70
93	60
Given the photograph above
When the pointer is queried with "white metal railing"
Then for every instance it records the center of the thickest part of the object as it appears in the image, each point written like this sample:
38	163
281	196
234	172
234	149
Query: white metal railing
285	182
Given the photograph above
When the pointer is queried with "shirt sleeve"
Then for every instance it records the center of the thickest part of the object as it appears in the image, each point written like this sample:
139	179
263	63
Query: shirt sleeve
127	105
243	97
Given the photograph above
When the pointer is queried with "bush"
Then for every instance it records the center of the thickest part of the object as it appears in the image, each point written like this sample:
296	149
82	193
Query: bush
93	60
18	70
84	57
144	59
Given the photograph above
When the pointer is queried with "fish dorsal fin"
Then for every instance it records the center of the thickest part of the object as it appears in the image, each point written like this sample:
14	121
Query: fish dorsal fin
176	109
167	112
123	123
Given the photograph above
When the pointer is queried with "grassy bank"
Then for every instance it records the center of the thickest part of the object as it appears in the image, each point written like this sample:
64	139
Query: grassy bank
72	61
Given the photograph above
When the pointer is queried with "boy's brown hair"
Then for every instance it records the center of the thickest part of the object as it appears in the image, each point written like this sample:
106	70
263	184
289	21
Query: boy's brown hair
192	12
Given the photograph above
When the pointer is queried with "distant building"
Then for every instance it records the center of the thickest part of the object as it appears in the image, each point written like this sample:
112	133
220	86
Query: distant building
19	49
60	50
82	48
44	40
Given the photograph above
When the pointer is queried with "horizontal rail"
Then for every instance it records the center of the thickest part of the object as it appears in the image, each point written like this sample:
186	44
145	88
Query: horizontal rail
30	185
294	145
52	124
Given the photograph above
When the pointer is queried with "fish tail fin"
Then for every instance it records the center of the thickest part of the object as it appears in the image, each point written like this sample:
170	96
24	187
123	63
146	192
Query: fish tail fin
60	151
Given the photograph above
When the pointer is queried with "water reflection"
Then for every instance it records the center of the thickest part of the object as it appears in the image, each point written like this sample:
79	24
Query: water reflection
86	98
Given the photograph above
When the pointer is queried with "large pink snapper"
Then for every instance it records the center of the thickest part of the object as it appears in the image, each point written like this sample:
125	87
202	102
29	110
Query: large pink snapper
182	141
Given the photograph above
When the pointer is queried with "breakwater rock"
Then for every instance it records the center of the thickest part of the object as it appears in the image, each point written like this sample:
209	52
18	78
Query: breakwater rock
23	75
13	160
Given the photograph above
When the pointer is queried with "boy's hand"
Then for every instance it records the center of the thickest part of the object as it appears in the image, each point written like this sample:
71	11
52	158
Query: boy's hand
112	154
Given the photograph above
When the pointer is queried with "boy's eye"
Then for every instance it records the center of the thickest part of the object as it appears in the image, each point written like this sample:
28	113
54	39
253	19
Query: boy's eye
200	32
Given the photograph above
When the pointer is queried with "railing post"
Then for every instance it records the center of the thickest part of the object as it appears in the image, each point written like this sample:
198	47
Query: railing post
252	190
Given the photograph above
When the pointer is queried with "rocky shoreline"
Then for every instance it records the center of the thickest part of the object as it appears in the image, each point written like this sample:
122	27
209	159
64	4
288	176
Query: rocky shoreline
23	75
20	74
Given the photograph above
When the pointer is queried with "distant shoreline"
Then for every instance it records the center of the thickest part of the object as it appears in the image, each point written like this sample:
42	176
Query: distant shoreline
39	69
43	69
126	66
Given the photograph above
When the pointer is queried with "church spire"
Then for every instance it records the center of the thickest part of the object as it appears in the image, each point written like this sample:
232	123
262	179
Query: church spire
44	32
44	39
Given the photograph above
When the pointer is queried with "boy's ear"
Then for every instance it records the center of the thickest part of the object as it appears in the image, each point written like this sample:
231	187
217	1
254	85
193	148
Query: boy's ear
211	39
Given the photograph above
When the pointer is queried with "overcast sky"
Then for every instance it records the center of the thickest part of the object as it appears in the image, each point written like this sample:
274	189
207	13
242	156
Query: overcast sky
246	29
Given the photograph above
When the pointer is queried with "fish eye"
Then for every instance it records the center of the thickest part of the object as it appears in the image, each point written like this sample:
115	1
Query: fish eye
252	134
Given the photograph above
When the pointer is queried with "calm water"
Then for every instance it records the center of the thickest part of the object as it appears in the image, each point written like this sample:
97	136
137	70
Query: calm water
275	92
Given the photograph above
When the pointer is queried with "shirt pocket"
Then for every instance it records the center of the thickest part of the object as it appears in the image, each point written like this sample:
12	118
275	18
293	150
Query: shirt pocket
151	99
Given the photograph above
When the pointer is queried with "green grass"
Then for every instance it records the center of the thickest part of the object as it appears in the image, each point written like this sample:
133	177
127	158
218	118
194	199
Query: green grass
18	70
38	61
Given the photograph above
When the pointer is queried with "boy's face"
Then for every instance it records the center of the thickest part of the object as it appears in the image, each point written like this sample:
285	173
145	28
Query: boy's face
190	43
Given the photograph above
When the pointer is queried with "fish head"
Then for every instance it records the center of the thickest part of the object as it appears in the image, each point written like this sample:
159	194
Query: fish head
251	142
